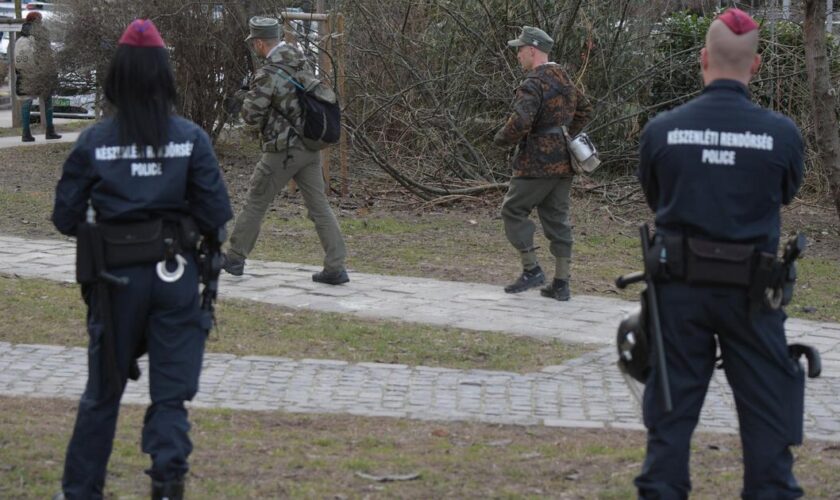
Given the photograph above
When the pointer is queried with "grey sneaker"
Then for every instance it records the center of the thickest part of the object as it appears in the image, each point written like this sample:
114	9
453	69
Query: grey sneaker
232	265
527	280
558	289
331	277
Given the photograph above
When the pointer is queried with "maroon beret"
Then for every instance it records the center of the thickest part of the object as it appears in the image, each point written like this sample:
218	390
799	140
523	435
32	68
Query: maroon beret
141	33
738	21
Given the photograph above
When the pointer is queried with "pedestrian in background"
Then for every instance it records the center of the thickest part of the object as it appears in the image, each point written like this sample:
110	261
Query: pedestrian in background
36	75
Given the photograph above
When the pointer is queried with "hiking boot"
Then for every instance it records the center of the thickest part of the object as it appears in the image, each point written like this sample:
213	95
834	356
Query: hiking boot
527	280
232	265
558	289
51	134
331	277
168	490
27	138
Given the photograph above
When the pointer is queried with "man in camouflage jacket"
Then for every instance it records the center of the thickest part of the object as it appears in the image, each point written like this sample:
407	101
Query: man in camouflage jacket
270	108
545	101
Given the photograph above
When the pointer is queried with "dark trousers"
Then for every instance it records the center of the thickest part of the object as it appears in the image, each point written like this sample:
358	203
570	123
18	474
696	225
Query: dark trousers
45	107
166	320
767	384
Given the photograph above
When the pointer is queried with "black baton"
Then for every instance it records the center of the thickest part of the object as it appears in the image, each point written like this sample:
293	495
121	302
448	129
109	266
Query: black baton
656	327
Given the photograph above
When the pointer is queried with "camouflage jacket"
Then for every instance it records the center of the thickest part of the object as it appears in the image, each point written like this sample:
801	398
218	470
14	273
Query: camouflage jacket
270	106
35	62
545	101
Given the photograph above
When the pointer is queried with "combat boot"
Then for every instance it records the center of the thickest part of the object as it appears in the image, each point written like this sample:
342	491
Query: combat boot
51	134
331	277
27	137
529	278
558	289
232	265
168	490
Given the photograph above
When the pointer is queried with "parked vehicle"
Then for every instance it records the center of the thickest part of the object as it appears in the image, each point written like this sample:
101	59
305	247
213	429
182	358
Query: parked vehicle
74	98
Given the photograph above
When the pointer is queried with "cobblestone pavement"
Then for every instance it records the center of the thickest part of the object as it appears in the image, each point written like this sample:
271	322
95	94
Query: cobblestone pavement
584	392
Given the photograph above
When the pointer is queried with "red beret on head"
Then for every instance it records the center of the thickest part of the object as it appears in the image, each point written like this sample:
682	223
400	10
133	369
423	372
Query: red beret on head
738	21
141	33
33	16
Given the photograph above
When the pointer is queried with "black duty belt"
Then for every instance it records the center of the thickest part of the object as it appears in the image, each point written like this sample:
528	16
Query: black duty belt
699	261
703	262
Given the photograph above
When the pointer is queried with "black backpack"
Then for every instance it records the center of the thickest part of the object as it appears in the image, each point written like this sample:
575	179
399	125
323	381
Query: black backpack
320	121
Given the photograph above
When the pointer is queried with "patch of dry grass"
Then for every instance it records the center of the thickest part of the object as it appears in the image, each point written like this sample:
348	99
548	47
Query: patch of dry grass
54	314
466	243
274	454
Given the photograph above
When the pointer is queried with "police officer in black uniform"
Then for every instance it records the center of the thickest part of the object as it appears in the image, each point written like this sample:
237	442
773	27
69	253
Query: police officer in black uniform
716	171
149	176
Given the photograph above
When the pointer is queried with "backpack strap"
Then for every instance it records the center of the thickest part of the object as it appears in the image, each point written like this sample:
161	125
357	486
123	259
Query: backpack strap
290	78
299	86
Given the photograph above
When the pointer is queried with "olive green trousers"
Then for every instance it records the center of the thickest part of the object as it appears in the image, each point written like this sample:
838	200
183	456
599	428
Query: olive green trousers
551	197
271	174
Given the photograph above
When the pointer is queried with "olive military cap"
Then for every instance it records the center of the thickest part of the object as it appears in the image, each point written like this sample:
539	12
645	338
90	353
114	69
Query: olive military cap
533	37
263	27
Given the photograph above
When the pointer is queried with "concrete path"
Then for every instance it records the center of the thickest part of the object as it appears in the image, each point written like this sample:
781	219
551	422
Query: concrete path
14	141
585	392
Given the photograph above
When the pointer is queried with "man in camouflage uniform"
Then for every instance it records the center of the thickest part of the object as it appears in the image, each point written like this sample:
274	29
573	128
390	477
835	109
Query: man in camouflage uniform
270	107
545	101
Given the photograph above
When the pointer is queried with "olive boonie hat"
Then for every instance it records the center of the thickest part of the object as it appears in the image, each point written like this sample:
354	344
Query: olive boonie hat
263	27
533	37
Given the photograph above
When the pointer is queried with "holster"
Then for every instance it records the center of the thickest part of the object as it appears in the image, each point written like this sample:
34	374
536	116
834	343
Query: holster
665	258
86	237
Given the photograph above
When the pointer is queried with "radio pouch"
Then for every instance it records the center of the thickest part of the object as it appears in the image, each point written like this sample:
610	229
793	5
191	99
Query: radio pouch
717	263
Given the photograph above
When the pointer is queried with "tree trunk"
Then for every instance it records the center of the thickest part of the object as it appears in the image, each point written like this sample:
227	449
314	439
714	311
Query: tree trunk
822	95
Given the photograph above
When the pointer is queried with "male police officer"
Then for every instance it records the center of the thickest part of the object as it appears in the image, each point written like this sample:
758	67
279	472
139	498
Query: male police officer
716	171
271	107
545	101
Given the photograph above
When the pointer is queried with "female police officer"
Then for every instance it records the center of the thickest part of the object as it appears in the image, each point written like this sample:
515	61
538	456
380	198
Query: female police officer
153	181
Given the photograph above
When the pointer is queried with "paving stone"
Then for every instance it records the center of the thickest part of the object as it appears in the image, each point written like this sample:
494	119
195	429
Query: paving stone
583	392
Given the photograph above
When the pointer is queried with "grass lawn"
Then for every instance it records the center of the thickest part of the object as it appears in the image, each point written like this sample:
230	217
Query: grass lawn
277	455
54	314
462	244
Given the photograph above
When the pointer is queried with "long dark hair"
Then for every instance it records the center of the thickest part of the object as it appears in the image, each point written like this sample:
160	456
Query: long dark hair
140	84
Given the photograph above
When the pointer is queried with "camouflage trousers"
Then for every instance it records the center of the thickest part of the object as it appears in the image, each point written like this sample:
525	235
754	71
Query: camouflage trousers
551	197
272	173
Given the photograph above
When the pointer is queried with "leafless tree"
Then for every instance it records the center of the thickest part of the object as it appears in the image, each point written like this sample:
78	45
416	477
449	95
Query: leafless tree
823	94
